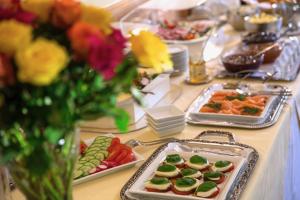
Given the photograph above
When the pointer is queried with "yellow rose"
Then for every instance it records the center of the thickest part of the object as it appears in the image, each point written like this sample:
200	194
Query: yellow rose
97	16
42	8
13	36
151	51
40	62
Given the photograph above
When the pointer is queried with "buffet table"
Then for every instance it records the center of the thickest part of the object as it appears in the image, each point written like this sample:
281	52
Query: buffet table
276	175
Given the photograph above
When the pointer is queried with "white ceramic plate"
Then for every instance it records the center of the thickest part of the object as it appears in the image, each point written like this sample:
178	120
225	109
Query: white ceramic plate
164	124
168	132
228	117
164	113
138	190
87	178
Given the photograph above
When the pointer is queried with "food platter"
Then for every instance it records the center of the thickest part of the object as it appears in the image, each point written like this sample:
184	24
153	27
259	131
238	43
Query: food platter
271	116
208	102
110	169
242	156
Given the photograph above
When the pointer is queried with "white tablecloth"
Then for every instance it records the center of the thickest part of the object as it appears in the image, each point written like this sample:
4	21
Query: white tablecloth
277	173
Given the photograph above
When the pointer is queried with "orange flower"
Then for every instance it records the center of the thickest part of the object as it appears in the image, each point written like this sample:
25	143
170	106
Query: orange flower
79	35
65	12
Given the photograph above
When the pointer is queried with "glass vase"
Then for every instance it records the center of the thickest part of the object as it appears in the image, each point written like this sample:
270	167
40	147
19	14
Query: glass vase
4	184
56	182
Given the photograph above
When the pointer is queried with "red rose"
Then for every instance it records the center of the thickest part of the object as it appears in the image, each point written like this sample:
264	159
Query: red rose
105	54
11	9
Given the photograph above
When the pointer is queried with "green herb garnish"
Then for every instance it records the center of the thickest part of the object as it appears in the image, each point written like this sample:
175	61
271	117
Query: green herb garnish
185	182
209	175
173	158
188	171
213	105
206	186
159	180
166	168
222	163
240	97
198	160
251	110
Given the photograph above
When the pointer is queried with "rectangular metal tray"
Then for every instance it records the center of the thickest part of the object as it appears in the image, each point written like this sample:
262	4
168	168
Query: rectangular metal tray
270	118
244	156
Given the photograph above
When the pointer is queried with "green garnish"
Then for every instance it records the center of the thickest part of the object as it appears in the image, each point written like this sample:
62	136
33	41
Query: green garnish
213	105
206	186
251	110
188	171
185	182
240	97
209	175
198	160
166	168
159	180
222	163
173	158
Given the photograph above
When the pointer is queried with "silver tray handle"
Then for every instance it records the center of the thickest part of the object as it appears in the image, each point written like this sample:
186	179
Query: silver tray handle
228	135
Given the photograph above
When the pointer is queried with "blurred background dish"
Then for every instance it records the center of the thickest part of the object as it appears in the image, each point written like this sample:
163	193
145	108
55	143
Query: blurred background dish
273	52
236	17
260	37
263	23
235	61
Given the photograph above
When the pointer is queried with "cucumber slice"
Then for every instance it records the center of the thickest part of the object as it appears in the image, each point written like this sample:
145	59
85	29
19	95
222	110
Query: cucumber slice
89	153
105	153
95	162
85	169
77	174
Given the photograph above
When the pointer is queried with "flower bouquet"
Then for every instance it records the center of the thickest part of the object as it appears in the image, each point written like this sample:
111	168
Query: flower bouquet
61	62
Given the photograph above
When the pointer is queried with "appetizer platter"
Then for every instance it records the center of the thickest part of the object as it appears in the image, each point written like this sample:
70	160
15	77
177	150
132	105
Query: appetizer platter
220	106
193	170
102	156
232	106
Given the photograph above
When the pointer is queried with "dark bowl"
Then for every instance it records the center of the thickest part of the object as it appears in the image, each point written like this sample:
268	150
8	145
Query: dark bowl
260	37
241	61
269	56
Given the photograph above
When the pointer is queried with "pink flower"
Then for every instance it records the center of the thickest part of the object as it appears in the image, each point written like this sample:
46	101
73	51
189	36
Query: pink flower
105	54
11	9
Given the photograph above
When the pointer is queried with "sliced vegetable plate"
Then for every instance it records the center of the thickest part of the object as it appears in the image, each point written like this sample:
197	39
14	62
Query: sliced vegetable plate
102	156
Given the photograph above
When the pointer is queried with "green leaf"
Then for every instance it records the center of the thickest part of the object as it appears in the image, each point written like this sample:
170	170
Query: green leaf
185	182
38	162
53	134
206	186
122	120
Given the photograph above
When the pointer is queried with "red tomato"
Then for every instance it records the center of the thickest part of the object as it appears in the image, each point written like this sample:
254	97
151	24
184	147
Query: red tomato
121	156
169	25
129	158
214	194
182	193
115	141
83	147
189	36
229	170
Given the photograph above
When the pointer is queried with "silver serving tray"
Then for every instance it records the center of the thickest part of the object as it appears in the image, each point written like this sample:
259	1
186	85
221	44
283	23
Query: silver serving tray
274	110
233	187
